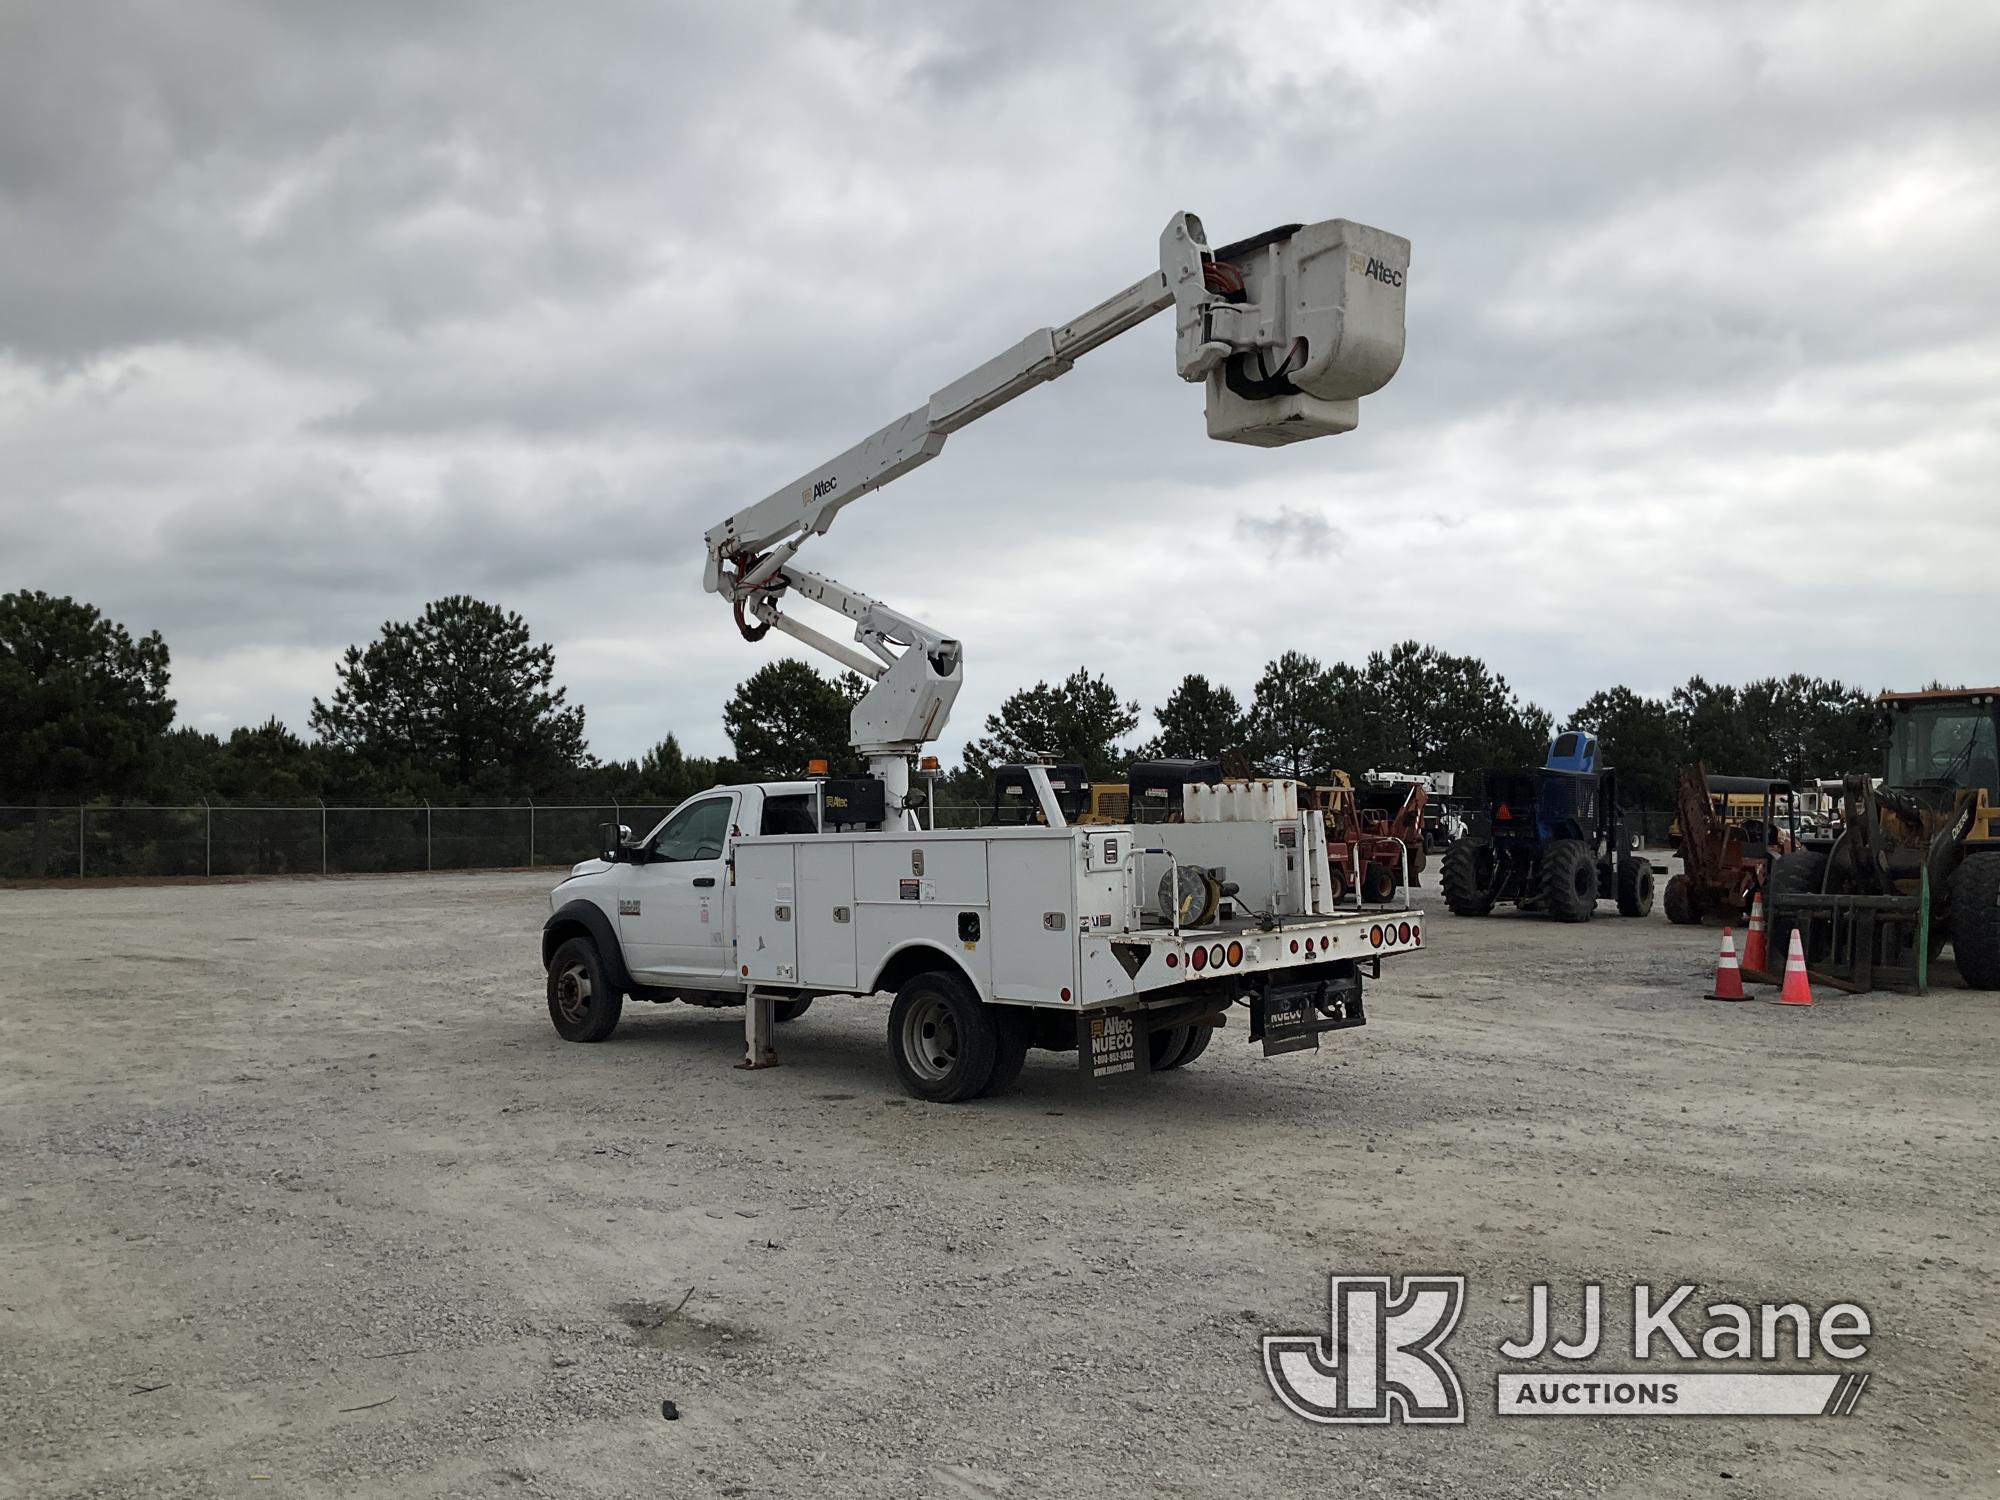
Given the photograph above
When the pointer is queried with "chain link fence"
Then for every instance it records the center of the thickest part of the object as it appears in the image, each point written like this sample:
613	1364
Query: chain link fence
62	843
57	843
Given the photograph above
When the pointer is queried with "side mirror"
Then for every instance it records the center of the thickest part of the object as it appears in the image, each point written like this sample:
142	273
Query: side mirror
611	841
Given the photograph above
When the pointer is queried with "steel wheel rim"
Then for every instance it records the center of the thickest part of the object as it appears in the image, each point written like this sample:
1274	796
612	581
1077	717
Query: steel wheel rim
573	994
930	1040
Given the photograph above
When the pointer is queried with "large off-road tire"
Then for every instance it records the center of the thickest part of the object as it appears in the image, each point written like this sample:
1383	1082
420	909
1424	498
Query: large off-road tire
944	1040
1791	875
1468	878
789	1010
1975	921
1569	880
1635	886
1679	905
1014	1033
583	1004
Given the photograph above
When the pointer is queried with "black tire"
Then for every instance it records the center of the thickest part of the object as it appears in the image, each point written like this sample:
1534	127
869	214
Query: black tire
1635	887
1468	878
1680	910
1197	1043
1791	875
1014	1032
1975	921
1569	880
1378	884
789	1010
1166	1046
943	1039
582	1002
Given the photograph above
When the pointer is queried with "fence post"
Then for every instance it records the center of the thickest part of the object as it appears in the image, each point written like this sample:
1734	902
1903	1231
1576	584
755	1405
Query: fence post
207	838
531	833
322	834
427	835
80	811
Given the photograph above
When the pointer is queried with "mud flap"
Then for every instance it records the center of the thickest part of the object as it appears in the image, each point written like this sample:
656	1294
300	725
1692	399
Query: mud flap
1290	1017
1112	1045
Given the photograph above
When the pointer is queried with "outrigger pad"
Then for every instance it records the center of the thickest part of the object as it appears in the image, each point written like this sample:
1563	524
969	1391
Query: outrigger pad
1290	1017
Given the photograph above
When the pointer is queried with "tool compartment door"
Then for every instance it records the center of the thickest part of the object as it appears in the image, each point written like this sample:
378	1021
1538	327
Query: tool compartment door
1036	942
825	915
767	926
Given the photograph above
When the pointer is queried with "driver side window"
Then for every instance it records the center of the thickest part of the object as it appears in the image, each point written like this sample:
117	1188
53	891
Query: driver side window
695	832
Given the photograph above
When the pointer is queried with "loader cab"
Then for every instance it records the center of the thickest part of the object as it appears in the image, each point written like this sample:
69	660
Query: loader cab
1945	741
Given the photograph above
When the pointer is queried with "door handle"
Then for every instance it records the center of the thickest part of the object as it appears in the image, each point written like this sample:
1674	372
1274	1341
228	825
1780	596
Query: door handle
704	881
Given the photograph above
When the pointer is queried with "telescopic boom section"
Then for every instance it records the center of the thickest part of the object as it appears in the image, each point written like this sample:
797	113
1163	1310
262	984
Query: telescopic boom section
1288	330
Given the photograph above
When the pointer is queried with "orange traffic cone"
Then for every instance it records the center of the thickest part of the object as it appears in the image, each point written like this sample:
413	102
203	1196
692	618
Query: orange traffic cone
1754	954
1728	978
1798	989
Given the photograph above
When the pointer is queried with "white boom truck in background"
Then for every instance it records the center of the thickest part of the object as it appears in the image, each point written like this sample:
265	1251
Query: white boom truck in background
1129	943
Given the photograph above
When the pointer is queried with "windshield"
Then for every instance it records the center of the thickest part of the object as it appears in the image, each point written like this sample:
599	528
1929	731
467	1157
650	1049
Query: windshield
697	831
1950	743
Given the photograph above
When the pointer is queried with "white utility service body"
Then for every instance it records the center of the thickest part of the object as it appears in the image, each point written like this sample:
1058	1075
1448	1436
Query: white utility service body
1060	920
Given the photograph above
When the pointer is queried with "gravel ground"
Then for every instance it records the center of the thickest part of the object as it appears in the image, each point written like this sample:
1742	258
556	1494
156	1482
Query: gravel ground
300	1194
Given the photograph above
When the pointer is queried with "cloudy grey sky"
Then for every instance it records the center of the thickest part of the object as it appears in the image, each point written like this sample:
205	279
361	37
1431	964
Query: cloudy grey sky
309	314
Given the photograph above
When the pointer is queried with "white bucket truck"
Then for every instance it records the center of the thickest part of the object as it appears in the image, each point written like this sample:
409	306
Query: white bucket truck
1129	943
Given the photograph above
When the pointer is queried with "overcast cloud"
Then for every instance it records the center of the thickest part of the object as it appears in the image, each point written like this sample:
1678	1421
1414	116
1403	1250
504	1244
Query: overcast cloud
310	314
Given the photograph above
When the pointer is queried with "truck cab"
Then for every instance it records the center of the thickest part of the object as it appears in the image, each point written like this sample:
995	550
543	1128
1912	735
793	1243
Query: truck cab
668	898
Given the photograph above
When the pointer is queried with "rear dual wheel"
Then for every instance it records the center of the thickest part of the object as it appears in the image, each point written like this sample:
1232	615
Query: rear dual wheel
949	1045
1177	1046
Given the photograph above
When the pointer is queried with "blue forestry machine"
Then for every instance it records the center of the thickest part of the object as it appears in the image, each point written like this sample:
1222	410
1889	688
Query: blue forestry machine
1554	842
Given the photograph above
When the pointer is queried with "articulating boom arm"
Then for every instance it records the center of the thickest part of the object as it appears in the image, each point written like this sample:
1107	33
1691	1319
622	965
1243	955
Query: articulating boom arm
1288	330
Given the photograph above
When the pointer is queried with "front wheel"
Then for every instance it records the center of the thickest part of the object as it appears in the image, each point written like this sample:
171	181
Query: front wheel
943	1039
1635	887
1569	881
582	1002
1680	908
1792	875
1975	921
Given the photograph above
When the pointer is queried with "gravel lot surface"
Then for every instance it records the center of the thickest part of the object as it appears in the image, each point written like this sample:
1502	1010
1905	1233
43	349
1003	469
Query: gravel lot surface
301	1195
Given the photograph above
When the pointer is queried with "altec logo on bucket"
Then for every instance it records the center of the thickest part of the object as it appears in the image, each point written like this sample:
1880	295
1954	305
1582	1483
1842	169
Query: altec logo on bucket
1383	1359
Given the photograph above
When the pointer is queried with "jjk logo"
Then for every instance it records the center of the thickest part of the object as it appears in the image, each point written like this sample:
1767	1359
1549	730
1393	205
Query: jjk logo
1381	1361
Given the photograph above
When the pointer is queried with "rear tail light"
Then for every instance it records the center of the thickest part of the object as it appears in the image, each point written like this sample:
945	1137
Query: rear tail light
1295	945
1375	937
1197	958
1403	931
1215	956
1235	954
